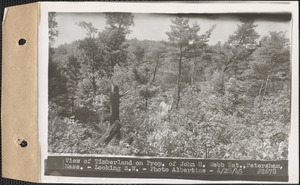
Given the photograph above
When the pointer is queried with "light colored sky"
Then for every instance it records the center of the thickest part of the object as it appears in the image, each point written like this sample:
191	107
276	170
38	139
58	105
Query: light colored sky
155	26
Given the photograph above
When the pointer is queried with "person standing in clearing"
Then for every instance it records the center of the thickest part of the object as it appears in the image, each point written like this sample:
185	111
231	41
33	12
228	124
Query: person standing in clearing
164	109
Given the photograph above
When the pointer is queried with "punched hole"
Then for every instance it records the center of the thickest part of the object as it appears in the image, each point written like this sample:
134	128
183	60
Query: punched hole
22	42
22	143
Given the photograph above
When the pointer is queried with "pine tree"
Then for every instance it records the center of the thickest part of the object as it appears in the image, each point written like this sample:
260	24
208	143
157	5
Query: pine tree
185	38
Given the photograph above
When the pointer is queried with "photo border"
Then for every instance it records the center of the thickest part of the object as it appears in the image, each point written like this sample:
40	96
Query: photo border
165	7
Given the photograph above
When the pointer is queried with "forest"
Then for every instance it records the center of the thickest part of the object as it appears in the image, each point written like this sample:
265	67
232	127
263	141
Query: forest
229	100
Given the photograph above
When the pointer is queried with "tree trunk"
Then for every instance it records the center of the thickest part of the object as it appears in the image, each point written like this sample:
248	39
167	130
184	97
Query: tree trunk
94	90
193	73
112	66
266	86
261	87
146	99
115	108
72	108
93	81
179	79
146	103
235	69
113	130
93	85
155	68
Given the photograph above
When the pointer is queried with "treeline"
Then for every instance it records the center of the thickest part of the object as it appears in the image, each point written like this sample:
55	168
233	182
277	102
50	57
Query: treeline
231	100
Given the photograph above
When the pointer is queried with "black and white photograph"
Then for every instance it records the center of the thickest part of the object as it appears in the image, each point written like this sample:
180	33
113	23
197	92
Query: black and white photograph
168	92
208	86
177	92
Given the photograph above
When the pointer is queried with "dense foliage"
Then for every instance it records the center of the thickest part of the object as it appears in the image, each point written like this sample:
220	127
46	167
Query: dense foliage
231	100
